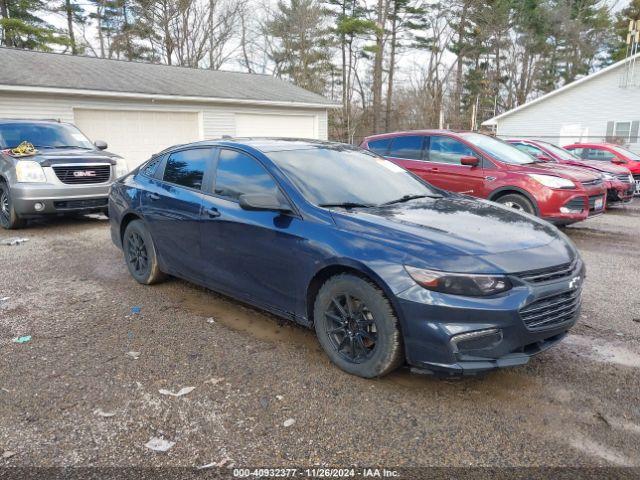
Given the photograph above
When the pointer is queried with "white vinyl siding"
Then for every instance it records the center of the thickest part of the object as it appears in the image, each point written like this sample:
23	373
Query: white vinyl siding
269	125
215	120
580	113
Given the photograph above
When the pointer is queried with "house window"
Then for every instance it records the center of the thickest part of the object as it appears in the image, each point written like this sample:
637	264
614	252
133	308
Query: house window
623	130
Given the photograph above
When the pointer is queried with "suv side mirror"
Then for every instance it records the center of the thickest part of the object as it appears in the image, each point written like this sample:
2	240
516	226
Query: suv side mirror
469	160
100	144
263	202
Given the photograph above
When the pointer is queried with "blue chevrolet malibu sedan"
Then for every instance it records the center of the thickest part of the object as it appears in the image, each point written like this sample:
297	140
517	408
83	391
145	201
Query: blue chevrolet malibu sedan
386	268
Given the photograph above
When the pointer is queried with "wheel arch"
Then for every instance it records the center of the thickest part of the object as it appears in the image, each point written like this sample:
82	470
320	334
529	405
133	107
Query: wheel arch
348	267
126	220
508	190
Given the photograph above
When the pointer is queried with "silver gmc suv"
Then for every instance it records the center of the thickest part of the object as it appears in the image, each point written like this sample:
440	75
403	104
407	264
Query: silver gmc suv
65	174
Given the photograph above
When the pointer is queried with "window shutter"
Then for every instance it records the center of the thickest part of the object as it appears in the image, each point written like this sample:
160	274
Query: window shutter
635	126
610	128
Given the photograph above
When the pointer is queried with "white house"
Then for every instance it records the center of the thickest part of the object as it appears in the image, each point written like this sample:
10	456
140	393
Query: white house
603	105
141	108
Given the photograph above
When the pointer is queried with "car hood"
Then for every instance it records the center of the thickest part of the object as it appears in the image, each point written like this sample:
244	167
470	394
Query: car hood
600	166
559	170
48	157
445	233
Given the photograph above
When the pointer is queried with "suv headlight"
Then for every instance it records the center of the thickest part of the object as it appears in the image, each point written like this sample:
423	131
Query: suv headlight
30	172
459	283
121	168
608	176
552	181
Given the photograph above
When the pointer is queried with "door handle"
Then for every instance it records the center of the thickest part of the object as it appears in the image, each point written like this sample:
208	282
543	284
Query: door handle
153	196
213	212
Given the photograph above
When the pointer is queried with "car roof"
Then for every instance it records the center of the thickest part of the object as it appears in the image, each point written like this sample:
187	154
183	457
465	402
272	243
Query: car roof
268	144
8	121
416	132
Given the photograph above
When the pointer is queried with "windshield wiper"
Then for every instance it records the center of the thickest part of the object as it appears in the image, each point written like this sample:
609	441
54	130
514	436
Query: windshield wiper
346	205
406	198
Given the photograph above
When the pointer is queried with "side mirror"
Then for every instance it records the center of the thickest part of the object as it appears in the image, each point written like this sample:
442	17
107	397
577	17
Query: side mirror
543	158
618	161
100	144
264	202
469	160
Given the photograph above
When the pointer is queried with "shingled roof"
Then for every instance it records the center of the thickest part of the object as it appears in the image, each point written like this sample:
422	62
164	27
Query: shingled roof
23	68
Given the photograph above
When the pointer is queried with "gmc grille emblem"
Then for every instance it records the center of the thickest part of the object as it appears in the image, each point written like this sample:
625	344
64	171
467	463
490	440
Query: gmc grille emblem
84	173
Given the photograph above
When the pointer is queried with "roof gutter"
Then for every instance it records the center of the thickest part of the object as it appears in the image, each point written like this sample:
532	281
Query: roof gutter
157	97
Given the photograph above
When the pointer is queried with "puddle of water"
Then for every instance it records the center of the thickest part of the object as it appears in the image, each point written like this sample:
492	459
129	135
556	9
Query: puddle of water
604	352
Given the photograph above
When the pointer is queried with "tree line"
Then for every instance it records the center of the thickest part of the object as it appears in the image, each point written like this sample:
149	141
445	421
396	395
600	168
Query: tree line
390	64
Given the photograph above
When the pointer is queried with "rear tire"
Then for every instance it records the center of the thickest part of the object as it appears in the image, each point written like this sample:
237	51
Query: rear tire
517	202
9	219
140	254
357	327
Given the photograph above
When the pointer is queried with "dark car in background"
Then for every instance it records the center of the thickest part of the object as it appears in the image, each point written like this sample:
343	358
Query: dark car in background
66	173
617	179
485	167
384	266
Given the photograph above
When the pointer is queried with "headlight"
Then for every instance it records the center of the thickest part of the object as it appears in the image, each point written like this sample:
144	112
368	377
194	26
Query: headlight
552	182
29	171
631	180
459	283
121	168
608	176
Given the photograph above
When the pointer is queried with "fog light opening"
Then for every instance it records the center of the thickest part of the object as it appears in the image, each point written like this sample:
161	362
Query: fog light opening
479	340
39	206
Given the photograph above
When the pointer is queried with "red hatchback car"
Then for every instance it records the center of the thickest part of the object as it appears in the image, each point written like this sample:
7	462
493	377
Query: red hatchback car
609	152
617	179
482	166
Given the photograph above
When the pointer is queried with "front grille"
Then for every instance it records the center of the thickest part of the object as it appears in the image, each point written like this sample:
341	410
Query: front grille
86	203
547	274
623	177
83	174
597	181
551	311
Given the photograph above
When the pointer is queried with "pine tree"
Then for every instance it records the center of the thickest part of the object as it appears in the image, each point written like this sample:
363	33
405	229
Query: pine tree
23	27
619	48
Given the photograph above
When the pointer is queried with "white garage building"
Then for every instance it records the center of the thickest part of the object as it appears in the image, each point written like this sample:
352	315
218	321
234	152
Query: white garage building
140	108
603	106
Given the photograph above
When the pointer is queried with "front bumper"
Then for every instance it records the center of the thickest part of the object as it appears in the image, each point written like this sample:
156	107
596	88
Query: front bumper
433	322
564	207
619	191
35	199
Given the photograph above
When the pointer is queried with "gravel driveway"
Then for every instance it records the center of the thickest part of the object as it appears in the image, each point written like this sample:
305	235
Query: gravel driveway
84	389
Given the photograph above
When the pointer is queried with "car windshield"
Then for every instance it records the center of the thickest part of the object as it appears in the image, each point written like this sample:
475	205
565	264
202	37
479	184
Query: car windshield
501	151
42	135
627	153
345	176
560	152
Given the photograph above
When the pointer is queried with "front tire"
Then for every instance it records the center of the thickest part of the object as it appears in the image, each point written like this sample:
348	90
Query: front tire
357	327
9	219
140	254
517	202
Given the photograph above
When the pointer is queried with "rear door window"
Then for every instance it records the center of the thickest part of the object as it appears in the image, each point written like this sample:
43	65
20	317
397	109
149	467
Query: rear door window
448	150
187	167
238	173
409	147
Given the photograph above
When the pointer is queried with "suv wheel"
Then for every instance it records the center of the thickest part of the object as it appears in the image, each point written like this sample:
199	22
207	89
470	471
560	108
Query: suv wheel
357	327
9	219
140	254
517	202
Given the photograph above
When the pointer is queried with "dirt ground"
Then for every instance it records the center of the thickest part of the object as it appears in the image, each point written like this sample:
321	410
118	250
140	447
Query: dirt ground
68	288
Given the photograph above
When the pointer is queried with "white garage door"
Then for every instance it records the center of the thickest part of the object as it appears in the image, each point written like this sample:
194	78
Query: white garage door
135	134
269	125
